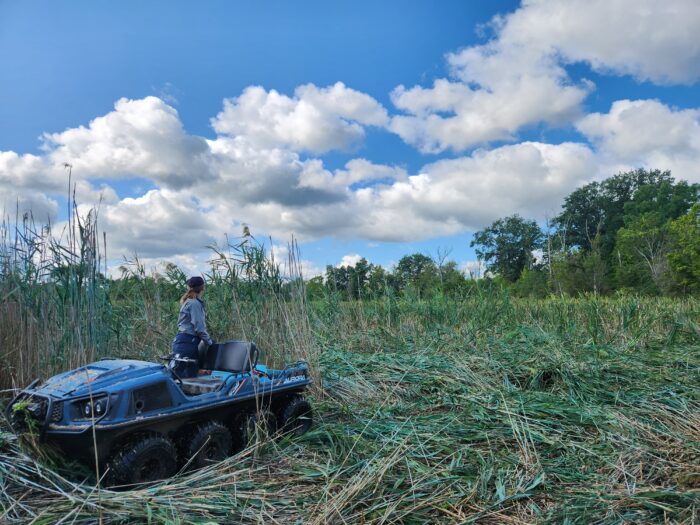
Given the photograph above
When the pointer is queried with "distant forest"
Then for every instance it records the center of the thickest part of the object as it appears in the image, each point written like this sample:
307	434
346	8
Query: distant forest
635	232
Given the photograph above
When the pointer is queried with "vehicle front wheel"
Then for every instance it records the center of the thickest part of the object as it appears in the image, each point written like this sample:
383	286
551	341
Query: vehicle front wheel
295	416
210	442
142	460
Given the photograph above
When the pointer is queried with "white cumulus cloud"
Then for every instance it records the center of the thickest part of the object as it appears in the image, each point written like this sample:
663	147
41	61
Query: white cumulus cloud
647	133
32	182
473	269
139	138
519	77
278	192
454	114
455	195
654	40
447	197
350	260
314	119
161	223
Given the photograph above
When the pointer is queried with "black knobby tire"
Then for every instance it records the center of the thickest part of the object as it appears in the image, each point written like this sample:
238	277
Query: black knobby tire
247	424
294	416
144	459
209	443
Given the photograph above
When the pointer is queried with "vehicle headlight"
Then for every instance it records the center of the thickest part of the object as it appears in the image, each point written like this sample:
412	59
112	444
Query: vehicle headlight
95	407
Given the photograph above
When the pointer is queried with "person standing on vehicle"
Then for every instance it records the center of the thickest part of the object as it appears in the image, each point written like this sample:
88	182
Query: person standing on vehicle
191	329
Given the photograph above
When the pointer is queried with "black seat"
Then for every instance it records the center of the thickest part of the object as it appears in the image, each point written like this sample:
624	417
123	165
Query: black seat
231	356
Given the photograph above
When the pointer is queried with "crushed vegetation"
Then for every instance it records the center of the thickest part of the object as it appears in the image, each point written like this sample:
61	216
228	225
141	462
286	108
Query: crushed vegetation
486	410
480	408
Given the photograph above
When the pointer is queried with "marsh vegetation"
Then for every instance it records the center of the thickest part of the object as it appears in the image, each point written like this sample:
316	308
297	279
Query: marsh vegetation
468	407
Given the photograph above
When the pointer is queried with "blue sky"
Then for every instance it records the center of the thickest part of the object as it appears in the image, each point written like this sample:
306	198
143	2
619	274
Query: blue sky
495	116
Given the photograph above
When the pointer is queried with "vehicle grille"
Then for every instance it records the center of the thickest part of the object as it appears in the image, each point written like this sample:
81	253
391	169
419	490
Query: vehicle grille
57	411
33	412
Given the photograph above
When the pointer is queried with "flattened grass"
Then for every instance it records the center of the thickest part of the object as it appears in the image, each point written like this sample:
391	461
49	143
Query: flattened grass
482	410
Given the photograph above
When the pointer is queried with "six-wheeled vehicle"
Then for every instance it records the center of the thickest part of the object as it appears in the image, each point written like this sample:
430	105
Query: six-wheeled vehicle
140	422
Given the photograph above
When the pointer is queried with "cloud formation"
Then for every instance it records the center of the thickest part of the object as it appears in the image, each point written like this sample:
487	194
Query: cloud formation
264	165
350	260
447	197
651	40
518	78
30	183
161	223
315	119
139	138
456	195
496	92
647	133
278	192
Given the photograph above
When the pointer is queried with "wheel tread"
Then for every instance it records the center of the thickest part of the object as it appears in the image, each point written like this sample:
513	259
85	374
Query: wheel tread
197	439
290	410
120	467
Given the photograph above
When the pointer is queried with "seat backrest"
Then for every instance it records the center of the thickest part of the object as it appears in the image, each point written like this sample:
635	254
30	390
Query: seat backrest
231	356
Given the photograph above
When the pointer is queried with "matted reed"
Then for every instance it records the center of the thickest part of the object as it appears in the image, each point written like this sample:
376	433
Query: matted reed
477	409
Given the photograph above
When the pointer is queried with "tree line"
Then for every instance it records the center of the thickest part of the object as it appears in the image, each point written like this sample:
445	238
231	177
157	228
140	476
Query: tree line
637	231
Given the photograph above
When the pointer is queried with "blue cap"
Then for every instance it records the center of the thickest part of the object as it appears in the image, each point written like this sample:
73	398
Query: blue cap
195	282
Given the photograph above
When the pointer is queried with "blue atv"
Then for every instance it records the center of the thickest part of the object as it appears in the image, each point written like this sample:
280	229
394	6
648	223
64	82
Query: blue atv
140	422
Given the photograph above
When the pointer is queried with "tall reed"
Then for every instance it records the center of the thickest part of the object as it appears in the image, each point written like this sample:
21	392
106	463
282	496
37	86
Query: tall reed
58	310
54	304
480	409
475	409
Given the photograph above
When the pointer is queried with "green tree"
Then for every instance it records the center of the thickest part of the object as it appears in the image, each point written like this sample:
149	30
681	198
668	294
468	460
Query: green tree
642	248
580	219
580	271
351	281
597	210
359	278
418	271
452	281
315	288
684	257
379	281
507	246
670	200
532	283
642	244
337	280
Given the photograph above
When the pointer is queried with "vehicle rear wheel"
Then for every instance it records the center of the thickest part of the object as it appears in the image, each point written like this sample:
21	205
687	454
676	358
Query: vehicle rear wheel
209	443
142	460
294	416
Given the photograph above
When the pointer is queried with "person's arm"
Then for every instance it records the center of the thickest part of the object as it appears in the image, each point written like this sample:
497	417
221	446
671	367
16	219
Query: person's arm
199	322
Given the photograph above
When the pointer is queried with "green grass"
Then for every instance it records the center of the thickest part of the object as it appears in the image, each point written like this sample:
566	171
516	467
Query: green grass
479	410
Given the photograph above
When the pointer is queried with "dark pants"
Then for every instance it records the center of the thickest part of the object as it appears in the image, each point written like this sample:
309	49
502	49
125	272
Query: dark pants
185	346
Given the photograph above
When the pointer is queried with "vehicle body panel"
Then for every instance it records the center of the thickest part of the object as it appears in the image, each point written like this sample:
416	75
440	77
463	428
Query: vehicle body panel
87	411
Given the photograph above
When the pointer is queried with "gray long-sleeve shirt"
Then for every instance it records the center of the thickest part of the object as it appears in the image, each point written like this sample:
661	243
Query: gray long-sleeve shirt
192	320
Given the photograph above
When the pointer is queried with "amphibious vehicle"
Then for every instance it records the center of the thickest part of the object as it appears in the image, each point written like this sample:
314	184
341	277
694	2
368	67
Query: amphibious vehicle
139	422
